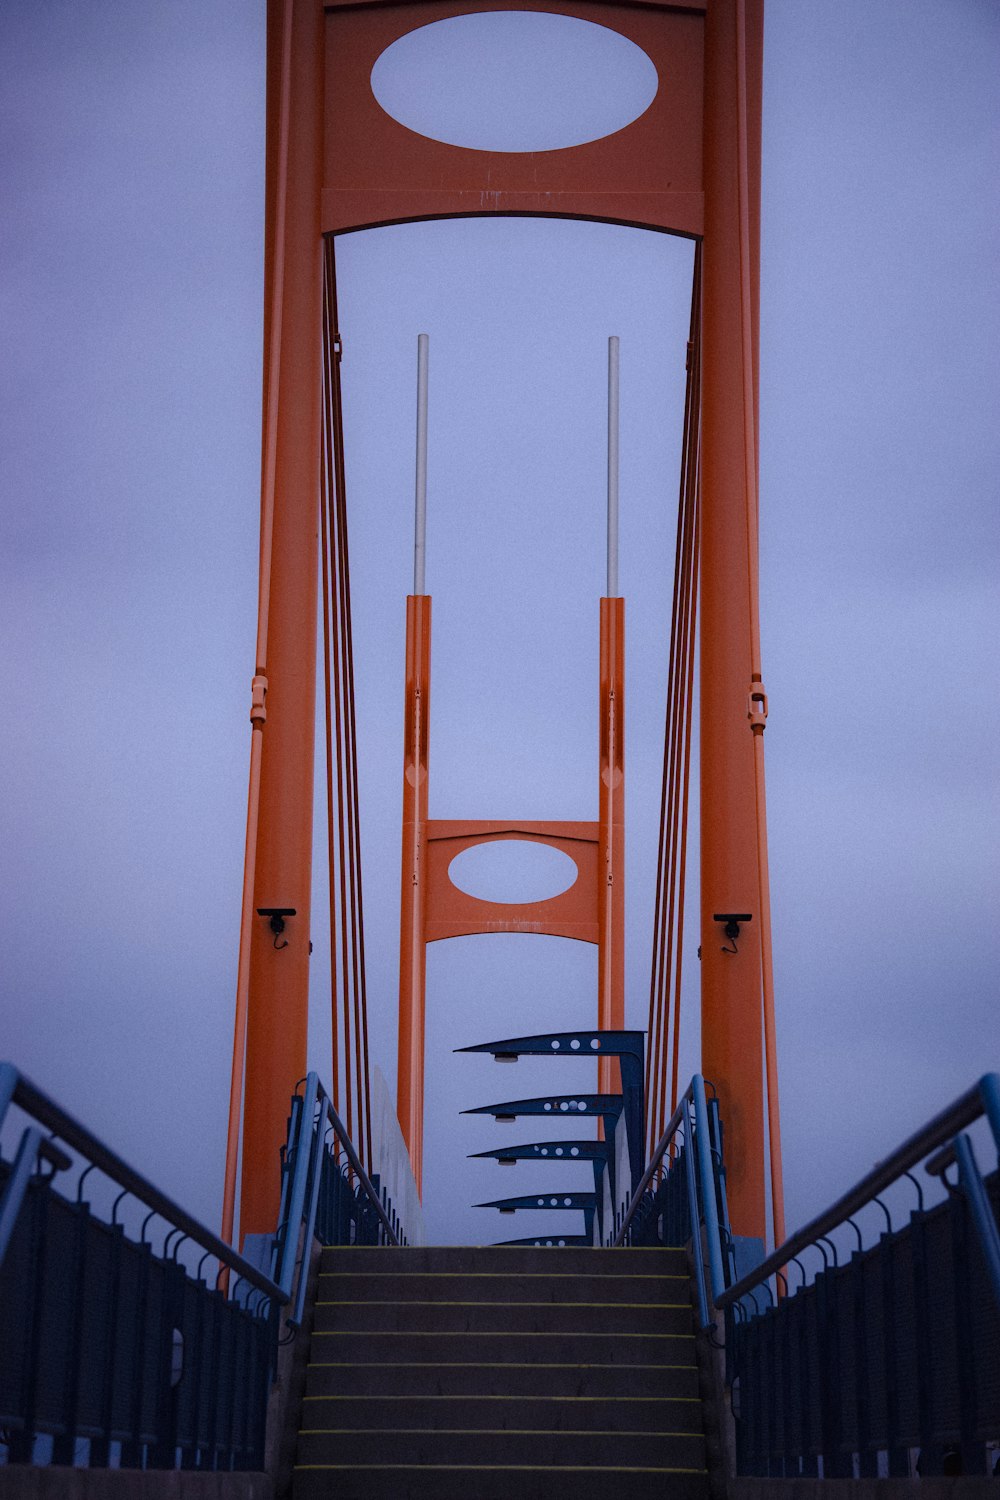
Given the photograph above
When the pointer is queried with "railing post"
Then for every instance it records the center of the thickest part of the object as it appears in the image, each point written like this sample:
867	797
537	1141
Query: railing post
707	1176
867	1460
692	1198
930	1458
299	1168
64	1447
973	1451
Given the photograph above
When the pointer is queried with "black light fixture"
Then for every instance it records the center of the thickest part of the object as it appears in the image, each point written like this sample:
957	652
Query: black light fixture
732	920
277	915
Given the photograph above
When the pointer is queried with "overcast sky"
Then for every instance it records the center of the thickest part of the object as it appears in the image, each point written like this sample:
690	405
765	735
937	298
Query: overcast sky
130	278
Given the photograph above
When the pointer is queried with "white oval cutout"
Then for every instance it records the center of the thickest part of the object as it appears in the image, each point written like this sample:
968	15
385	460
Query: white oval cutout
512	871
513	80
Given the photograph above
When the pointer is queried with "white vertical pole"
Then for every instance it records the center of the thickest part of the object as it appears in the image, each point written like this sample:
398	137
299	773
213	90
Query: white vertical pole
420	517
612	468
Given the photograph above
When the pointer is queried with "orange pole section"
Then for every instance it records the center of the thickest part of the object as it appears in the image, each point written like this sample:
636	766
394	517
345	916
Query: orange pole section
750	63
732	1054
611	835
279	978
413	882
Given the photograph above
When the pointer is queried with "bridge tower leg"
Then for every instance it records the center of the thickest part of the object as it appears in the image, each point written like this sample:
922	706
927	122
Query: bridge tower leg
730	654
286	654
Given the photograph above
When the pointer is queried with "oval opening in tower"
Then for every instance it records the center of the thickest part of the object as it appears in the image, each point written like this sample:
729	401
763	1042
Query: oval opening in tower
514	81
512	871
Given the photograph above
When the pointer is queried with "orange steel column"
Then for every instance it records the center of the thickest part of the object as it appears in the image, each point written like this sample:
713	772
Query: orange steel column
413	882
731	982
279	978
611	845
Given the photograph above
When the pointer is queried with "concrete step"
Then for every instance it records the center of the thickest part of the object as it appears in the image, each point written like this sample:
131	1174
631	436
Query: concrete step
484	1482
487	1286
427	1378
683	1451
453	1316
388	1346
508	1260
481	1372
551	1413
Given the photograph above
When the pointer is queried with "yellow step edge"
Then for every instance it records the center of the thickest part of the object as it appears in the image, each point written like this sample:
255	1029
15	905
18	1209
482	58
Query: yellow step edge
509	1468
435	1396
492	1432
514	1275
468	1364
438	1302
475	1333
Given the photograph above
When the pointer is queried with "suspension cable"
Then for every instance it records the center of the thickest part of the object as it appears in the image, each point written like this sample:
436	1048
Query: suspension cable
341	929
350	922
325	538
692	481
672	850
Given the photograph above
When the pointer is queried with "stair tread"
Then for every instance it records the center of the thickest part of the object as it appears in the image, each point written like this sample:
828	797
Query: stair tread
540	1449
665	1412
493	1482
555	1369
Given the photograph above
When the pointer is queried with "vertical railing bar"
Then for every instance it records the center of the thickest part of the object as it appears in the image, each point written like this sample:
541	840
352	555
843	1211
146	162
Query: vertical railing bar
296	1200
315	1168
972	1185
704	1318
707	1176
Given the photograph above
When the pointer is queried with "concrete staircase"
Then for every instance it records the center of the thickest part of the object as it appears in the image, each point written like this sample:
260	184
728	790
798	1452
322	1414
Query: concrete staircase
502	1372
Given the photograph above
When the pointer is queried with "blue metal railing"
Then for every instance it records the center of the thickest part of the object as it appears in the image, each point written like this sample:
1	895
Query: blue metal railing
874	1357
944	1130
692	1138
891	1350
105	1342
311	1171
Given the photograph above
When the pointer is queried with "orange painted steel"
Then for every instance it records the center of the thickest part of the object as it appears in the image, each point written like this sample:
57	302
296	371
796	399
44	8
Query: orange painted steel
611	836
346	907
379	172
279	85
413	881
731	982
433	908
689	165
279	978
666	969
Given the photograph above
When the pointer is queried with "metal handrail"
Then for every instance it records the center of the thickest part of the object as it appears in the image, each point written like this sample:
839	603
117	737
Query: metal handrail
15	1088
982	1099
692	1113
654	1161
306	1150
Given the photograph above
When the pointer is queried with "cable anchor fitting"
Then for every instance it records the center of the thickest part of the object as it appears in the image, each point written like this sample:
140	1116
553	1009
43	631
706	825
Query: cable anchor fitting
757	706
258	692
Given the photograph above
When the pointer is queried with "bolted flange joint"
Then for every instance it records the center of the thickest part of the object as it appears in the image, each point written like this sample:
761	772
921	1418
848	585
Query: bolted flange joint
258	692
757	706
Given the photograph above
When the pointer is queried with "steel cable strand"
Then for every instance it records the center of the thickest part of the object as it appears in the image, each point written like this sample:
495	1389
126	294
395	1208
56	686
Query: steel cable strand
655	989
667	951
326	531
667	957
692	481
657	1036
685	791
354	817
345	957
